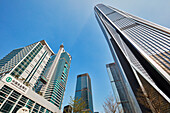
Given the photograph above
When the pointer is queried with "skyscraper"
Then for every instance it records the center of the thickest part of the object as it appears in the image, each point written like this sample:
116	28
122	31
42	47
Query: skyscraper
33	69
27	63
84	91
57	73
121	90
141	53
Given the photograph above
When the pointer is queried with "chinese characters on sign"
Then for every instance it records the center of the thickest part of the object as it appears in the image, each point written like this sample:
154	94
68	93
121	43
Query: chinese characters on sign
15	83
19	85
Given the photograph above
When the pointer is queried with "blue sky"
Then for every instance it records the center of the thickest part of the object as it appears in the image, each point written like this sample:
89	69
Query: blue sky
72	22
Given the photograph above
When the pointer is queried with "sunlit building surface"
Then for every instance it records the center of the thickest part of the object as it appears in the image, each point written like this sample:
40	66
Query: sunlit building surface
27	63
57	74
22	78
141	53
84	91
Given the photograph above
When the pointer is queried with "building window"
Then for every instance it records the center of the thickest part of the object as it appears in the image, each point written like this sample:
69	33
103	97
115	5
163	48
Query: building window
1	100
7	107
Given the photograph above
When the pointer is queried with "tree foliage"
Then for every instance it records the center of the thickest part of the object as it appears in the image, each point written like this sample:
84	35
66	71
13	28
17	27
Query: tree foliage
78	104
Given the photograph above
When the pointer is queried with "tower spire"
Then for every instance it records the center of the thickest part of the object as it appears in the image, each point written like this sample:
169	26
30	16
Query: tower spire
62	46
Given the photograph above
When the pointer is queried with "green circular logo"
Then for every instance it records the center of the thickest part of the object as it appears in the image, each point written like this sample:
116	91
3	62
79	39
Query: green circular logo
8	79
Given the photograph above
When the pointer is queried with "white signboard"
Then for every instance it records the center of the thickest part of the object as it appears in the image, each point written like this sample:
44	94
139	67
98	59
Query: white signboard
11	81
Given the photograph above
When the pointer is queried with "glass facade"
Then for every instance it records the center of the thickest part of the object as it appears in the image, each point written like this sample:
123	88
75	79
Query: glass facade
13	58
26	61
39	84
84	91
57	84
122	90
11	101
29	67
140	50
53	79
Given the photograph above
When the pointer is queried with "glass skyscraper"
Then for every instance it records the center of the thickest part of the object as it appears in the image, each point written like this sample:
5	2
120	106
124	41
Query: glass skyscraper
56	74
55	88
141	53
84	91
121	90
33	77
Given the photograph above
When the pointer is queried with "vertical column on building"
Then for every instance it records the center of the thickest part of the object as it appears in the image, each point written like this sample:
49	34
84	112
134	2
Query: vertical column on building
54	65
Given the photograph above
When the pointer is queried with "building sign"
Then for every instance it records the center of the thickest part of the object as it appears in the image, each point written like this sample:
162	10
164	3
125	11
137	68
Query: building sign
11	81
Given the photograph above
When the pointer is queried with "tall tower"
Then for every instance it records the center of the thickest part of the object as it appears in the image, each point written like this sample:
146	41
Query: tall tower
121	90
56	75
20	71
26	63
84	91
141	53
